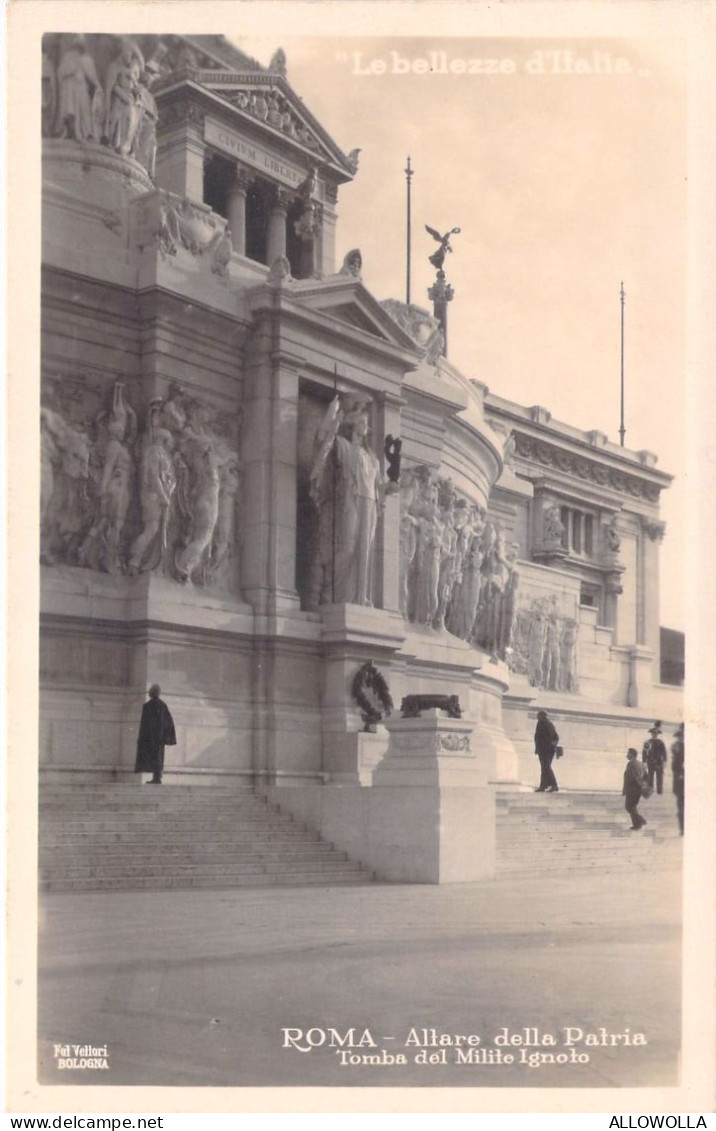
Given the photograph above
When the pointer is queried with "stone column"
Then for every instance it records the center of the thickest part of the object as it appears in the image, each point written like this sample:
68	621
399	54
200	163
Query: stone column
276	242
237	209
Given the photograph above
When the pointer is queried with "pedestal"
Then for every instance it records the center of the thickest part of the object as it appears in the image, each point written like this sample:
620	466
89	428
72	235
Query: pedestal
432	814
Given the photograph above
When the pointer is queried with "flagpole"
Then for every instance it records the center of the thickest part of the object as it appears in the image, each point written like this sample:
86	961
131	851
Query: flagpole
622	429
408	178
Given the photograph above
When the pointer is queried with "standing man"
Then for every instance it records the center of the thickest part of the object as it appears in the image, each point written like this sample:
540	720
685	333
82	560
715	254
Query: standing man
546	740
156	730
654	754
678	773
634	775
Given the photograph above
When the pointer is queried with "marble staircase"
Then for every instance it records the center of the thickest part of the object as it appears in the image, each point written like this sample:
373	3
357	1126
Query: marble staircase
131	837
540	834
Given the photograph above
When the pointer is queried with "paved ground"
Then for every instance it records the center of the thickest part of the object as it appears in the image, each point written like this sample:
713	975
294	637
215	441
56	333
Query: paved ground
194	988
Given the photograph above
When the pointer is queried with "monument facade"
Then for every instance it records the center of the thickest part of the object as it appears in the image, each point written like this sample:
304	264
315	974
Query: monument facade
257	479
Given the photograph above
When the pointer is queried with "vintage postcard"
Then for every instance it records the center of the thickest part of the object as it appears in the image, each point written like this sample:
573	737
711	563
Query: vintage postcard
360	498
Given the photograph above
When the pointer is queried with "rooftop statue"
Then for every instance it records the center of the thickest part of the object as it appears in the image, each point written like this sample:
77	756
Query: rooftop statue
438	258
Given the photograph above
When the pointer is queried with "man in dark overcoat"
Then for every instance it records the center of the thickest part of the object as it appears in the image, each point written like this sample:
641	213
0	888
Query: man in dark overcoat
655	756
156	730
678	773
546	740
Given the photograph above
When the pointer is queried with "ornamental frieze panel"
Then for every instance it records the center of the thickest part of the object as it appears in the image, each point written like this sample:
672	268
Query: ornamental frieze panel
549	455
544	642
125	498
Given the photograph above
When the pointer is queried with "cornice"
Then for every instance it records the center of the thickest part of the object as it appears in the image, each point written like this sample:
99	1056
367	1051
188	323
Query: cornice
644	484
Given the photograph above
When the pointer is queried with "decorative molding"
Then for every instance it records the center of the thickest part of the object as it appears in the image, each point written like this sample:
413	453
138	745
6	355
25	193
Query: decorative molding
549	455
453	743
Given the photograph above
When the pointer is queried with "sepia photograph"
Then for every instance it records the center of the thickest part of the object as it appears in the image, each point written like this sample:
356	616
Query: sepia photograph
362	530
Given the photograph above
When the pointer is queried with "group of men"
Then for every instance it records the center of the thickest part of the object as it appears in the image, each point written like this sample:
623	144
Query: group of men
157	731
654	759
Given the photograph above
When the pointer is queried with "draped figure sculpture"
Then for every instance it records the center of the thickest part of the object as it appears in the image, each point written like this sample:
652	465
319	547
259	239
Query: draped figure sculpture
79	93
157	483
117	430
347	488
123	99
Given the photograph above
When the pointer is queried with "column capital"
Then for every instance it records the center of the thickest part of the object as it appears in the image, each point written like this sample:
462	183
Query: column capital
242	178
282	199
654	530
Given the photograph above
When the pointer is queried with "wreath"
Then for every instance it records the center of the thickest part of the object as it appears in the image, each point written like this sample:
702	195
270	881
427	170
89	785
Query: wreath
370	690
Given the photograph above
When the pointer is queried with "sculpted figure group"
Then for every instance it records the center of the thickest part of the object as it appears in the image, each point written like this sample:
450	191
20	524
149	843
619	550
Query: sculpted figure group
122	502
121	115
544	645
456	572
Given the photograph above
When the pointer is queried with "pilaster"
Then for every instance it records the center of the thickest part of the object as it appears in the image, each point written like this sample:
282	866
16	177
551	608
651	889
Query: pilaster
181	154
270	471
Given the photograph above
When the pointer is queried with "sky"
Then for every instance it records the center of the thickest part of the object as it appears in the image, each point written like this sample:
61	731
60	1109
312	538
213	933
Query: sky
566	172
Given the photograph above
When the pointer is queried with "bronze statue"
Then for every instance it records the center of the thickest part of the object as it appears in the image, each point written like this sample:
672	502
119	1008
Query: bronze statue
438	258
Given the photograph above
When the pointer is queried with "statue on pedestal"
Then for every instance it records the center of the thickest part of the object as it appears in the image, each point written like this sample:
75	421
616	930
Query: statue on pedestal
612	536
553	528
347	488
438	258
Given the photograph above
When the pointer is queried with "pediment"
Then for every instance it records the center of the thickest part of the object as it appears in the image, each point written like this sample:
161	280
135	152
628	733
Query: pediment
267	100
346	299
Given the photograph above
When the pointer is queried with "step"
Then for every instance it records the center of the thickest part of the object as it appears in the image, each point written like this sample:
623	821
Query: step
594	862
171	823
304	879
230	870
315	850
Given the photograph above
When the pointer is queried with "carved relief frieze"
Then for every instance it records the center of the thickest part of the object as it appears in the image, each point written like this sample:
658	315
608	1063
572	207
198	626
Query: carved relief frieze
453	743
544	644
169	222
549	455
121	500
457	570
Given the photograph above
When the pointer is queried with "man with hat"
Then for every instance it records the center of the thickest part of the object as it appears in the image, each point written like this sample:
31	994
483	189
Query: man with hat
678	774
654	754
